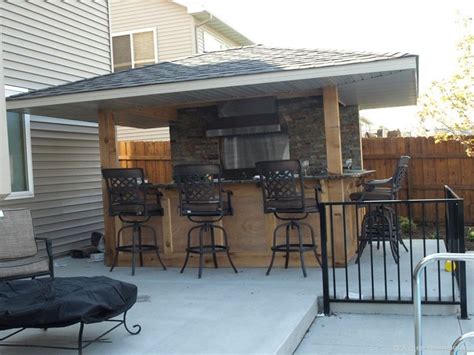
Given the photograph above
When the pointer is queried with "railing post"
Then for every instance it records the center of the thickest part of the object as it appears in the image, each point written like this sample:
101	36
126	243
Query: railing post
462	264
324	258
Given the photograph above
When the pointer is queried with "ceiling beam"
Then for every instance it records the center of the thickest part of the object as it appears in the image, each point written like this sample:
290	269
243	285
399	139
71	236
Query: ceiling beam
161	113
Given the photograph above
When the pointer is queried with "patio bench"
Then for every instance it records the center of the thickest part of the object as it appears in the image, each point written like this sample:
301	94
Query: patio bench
60	302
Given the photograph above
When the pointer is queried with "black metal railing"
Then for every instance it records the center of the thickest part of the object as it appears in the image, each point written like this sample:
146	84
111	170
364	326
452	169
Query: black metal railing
369	250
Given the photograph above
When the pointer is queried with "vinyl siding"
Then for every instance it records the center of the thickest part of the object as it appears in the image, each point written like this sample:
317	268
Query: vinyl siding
67	205
137	134
174	26
48	43
53	42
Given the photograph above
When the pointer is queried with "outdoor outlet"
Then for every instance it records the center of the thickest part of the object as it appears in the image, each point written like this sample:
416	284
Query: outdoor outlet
1	214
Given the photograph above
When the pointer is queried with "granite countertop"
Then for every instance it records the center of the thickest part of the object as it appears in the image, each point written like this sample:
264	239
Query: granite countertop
326	176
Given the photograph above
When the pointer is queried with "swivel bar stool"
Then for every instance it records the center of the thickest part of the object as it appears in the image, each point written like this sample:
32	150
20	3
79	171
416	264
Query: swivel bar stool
201	201
283	193
134	202
381	223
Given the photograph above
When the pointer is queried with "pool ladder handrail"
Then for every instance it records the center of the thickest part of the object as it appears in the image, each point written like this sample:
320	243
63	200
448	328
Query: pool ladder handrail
417	294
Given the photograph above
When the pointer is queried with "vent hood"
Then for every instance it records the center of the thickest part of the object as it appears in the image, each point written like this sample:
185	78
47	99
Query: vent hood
249	116
252	124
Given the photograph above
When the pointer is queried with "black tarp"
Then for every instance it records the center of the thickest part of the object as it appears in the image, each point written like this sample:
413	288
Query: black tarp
59	302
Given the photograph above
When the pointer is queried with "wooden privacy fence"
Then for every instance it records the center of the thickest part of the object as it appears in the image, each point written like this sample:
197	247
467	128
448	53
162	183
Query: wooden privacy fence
432	166
153	157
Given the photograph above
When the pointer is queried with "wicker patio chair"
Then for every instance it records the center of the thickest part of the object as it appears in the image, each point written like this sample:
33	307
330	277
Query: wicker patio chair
19	254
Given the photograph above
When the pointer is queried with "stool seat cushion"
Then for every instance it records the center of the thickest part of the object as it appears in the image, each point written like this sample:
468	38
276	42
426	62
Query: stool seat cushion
206	209
293	206
60	302
374	195
138	210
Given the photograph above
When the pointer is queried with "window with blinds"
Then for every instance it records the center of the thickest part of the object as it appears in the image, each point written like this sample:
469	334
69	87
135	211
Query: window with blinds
133	50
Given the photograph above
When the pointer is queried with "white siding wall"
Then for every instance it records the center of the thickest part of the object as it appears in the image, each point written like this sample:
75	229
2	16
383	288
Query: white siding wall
48	43
67	205
174	26
53	42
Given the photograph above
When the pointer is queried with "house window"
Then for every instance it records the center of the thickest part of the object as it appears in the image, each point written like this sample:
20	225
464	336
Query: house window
134	49
19	148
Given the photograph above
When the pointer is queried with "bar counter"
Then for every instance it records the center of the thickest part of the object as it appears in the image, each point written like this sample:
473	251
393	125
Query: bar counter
249	230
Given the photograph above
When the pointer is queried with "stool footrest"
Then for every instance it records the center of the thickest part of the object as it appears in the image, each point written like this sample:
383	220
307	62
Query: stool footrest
207	249
138	248
293	247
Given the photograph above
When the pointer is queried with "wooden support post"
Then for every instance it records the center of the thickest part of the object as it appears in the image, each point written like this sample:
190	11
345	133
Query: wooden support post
108	159
332	128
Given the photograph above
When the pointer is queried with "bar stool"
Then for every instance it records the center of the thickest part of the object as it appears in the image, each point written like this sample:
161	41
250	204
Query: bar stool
381	223
134	202
283	193
201	201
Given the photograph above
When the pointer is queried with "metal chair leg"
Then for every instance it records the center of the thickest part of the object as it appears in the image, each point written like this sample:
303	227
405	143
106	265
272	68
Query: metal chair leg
187	249
157	249
116	252
287	240
79	341
300	240
134	248
313	241
201	252
117	246
140	244
213	243
226	244
273	248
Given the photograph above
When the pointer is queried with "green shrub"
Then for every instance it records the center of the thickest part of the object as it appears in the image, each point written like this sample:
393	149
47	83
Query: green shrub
405	224
470	234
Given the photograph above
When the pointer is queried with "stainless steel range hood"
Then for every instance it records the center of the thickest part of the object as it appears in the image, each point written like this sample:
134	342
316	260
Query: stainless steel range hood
240	125
249	116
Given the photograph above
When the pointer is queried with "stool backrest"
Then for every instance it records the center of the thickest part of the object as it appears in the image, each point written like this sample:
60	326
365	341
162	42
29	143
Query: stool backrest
399	174
281	181
124	187
199	184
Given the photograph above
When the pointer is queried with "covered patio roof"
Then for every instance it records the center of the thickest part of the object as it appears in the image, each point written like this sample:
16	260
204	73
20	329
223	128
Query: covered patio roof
370	80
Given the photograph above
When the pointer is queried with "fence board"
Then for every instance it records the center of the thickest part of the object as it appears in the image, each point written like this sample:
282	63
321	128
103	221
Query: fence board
153	157
432	166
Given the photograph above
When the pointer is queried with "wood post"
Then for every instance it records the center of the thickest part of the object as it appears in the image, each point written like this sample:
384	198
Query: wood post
335	193
108	159
332	128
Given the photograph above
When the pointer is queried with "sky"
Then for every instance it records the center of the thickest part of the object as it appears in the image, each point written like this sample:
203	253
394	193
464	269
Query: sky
423	27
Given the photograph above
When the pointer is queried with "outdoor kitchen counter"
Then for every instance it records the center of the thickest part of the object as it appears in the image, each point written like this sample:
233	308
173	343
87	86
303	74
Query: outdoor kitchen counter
249	230
347	174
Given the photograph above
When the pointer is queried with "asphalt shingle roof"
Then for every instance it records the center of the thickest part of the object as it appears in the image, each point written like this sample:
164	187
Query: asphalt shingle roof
247	60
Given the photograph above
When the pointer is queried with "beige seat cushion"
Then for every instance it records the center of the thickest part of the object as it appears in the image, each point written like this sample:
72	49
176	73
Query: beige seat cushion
23	267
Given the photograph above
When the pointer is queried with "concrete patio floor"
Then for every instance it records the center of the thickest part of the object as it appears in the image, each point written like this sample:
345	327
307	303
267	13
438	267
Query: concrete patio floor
248	313
344	334
222	313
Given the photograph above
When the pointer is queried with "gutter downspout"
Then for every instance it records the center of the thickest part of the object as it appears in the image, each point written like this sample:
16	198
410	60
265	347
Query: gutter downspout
196	34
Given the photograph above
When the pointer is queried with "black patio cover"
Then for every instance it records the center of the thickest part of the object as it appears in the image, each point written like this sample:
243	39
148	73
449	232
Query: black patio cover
60	302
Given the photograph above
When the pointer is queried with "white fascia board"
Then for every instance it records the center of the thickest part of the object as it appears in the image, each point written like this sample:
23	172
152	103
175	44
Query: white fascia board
408	63
62	121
